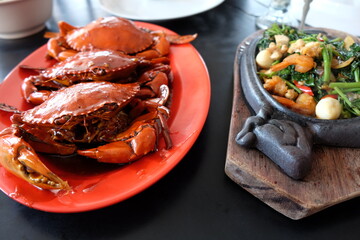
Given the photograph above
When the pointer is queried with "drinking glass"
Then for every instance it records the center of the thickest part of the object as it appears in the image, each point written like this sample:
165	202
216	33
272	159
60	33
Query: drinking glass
277	13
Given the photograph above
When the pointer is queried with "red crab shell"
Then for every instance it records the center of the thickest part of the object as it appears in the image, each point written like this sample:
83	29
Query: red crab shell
112	33
95	65
80	99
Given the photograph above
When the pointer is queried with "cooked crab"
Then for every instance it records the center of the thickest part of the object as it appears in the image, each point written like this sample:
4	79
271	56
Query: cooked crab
111	33
97	65
100	113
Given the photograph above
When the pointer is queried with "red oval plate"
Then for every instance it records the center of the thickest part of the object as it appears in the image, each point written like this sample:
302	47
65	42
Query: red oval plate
95	185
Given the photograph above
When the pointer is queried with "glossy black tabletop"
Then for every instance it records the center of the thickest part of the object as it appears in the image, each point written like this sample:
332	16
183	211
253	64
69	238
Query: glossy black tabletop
196	200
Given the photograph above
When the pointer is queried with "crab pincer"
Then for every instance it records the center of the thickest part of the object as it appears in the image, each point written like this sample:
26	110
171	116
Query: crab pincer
19	158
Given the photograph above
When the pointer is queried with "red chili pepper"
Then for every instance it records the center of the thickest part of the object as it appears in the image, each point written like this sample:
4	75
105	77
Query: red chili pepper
335	96
304	89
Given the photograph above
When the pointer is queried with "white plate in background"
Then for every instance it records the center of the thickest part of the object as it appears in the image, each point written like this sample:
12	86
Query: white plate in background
155	10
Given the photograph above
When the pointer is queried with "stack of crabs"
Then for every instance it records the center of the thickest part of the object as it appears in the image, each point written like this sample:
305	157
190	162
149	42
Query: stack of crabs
109	88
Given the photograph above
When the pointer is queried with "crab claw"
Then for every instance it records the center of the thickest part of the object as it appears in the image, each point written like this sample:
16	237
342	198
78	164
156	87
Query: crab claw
141	140
138	140
19	158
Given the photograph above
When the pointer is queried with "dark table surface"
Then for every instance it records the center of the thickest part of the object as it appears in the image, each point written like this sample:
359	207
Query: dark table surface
196	200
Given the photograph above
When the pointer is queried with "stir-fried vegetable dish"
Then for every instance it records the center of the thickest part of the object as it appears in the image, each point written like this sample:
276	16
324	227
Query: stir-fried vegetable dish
311	74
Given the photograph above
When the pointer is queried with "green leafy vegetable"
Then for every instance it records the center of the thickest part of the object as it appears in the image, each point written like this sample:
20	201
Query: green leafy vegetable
336	69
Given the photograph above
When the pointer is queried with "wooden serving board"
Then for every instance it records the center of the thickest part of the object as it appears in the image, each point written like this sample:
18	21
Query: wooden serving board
334	178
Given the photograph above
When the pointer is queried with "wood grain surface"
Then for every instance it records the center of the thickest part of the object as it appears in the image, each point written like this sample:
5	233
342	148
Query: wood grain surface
334	178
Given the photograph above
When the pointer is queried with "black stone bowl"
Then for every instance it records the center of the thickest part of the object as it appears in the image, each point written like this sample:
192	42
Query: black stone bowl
286	137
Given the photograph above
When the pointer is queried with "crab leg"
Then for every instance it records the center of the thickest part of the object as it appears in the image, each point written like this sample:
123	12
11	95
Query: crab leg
162	42
19	158
177	39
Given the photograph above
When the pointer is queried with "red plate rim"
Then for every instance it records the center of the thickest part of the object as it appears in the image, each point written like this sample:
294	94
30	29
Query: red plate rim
94	189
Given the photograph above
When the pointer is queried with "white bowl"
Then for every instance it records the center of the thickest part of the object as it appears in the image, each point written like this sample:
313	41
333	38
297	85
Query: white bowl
21	18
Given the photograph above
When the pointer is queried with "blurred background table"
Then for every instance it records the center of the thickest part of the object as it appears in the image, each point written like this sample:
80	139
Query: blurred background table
196	200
